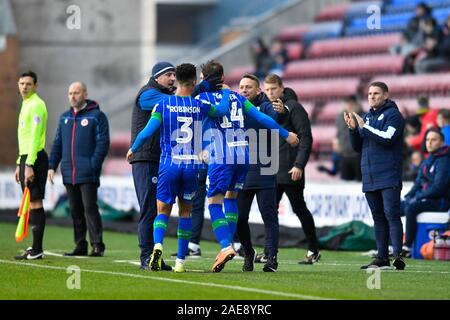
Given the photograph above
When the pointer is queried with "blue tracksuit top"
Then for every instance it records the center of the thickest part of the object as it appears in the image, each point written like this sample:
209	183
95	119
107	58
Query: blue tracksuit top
381	143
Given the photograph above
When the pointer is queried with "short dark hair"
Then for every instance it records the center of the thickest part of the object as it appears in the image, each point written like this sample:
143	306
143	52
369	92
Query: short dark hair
212	68
383	86
351	99
31	74
436	130
274	78
185	73
423	101
251	77
445	113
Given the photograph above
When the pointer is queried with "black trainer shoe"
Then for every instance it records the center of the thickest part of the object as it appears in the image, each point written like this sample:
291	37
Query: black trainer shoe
30	254
271	265
78	251
310	258
377	263
191	253
249	262
406	252
261	258
399	263
98	250
165	267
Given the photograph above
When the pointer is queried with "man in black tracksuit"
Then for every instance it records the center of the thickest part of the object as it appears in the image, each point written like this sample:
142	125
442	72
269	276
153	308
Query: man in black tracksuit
291	177
259	184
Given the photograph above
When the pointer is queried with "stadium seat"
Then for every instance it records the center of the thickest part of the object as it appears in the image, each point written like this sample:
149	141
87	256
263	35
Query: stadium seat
329	112
293	33
323	138
295	50
410	5
323	89
352	45
323	30
431	83
119	144
358	9
347	66
235	75
333	12
116	167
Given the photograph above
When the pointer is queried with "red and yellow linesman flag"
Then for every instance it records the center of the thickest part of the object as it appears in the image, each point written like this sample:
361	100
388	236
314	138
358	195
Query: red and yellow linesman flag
24	215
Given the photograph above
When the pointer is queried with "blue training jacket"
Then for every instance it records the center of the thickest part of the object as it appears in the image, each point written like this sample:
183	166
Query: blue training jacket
381	144
81	144
433	180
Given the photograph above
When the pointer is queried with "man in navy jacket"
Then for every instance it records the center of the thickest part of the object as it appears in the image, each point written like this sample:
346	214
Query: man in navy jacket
431	190
257	183
379	138
80	145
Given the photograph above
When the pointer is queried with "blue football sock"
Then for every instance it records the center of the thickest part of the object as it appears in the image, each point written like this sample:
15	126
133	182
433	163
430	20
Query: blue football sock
219	225
184	233
160	227
231	213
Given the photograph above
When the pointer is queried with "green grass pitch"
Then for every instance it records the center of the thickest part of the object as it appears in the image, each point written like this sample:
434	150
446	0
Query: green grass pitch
116	276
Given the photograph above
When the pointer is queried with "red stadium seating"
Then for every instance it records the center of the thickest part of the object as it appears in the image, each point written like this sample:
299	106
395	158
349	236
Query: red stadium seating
235	75
333	12
116	167
347	66
329	112
293	33
323	138
352	45
295	50
323	89
431	83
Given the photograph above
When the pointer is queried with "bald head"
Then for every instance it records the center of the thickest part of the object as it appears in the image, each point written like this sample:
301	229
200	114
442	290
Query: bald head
77	95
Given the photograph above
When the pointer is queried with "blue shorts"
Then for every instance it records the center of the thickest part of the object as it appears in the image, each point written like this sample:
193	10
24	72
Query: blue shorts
176	182
225	177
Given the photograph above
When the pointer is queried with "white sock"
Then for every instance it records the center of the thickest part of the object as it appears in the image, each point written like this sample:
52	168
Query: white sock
237	246
310	253
182	261
227	248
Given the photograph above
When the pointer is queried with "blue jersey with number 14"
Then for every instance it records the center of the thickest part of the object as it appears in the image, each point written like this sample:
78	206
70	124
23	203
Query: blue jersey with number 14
226	143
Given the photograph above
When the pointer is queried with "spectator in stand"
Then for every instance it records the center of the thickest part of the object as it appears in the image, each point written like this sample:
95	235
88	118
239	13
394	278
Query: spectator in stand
335	160
431	190
279	55
350	160
412	37
443	122
437	56
427	118
412	170
261	58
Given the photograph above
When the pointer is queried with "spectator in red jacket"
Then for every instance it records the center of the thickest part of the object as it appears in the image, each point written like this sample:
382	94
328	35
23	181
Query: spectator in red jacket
428	119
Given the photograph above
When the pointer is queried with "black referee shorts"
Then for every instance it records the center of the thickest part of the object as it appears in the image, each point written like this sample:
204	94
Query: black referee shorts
40	167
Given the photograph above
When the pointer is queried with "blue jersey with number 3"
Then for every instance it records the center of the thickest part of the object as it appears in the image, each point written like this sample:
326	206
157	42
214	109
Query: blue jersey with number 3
181	130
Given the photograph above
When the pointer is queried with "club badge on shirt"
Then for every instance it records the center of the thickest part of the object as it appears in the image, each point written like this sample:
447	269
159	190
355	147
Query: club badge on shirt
381	117
84	122
37	119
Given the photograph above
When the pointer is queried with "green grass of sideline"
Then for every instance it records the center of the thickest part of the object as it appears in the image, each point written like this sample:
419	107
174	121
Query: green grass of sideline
336	276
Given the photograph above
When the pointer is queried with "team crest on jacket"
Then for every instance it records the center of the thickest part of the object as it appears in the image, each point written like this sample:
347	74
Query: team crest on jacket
84	122
66	120
432	169
155	180
381	117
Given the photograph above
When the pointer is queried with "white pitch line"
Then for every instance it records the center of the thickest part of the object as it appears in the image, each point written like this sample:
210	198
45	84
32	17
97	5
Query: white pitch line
215	285
49	253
